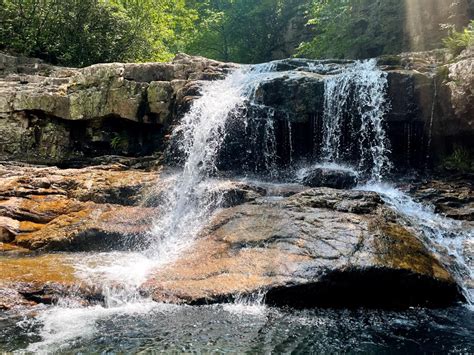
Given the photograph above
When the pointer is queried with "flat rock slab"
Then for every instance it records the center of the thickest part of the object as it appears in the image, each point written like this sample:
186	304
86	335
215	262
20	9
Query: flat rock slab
321	247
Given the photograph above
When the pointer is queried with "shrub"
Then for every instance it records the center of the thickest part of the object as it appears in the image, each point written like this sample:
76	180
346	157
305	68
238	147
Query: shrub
459	160
456	41
120	142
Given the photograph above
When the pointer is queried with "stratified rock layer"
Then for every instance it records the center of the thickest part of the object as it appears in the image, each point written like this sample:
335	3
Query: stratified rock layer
62	116
52	114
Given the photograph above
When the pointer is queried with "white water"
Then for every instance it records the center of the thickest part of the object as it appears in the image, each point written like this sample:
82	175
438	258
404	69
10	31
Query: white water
192	198
356	99
444	236
187	207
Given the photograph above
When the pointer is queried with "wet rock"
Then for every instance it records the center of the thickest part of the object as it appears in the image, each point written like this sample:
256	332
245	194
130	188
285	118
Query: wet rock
461	83
96	208
28	280
322	247
327	177
73	209
99	227
451	196
295	97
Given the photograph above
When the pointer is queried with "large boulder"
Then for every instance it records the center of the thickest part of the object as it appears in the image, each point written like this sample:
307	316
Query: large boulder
321	247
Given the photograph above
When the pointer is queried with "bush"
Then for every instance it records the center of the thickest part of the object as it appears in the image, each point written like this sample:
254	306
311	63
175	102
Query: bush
120	142
459	160
456	41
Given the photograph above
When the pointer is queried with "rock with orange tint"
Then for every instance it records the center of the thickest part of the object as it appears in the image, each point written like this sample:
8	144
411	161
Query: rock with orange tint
115	183
99	207
321	247
28	280
70	203
98	227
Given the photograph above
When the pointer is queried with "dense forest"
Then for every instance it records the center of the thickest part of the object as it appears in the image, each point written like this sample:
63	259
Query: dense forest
84	32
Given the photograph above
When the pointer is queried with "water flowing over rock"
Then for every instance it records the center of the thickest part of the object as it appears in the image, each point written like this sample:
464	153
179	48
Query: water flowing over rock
368	106
321	247
63	115
196	231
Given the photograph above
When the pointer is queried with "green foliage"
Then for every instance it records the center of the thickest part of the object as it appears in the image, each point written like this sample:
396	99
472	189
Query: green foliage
460	160
120	142
162	27
456	41
247	31
84	32
354	29
330	20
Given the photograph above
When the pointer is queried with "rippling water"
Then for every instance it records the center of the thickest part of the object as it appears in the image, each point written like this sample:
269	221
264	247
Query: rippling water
256	329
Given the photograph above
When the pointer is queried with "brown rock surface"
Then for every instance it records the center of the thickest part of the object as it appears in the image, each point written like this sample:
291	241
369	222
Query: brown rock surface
46	208
317	248
51	208
453	197
27	280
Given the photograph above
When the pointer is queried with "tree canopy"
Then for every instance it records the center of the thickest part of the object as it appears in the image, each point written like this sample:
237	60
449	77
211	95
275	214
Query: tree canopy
83	32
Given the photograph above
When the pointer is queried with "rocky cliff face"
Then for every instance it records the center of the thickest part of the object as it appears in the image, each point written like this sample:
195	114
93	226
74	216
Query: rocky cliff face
53	115
59	115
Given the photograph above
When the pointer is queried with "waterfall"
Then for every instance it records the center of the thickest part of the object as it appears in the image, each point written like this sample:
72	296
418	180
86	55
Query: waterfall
353	129
186	208
354	109
199	136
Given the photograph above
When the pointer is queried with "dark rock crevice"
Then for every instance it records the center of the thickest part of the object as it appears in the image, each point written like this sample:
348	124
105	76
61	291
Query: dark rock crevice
371	288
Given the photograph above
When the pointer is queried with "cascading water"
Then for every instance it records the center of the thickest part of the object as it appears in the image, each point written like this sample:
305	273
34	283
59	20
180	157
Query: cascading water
354	109
199	136
352	130
186	208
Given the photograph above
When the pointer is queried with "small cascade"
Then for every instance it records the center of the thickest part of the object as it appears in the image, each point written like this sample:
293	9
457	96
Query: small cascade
290	143
353	126
253	304
444	236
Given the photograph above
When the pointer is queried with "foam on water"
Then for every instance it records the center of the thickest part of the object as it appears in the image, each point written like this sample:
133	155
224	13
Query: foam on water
62	324
248	305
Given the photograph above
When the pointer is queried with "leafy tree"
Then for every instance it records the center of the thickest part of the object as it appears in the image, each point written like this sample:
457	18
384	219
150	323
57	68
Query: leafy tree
163	27
83	32
77	32
330	19
246	31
